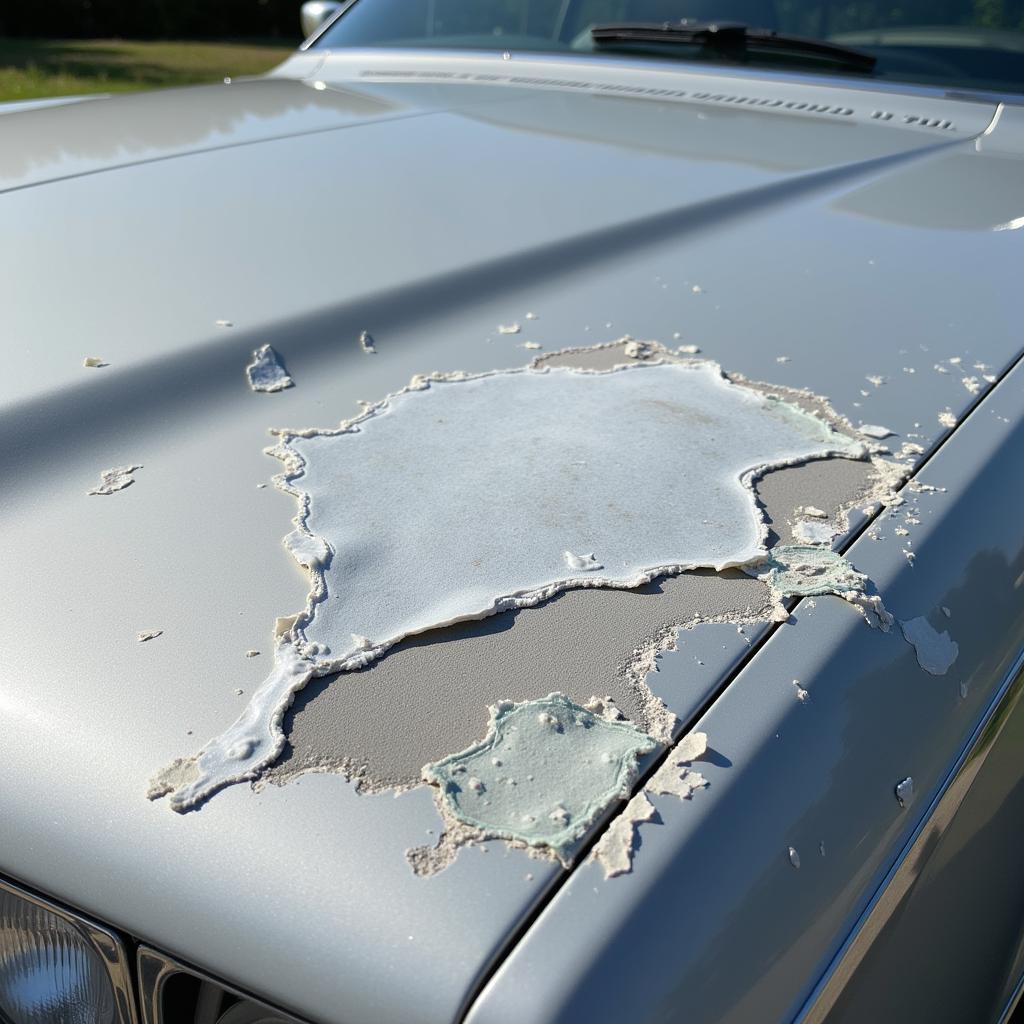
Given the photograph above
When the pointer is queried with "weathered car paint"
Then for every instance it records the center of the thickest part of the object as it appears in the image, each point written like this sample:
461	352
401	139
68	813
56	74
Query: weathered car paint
720	925
429	233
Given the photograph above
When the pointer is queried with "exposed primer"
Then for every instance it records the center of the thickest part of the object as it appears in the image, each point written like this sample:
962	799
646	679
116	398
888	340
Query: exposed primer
148	634
935	651
116	479
515	785
685	422
802	571
94	362
266	372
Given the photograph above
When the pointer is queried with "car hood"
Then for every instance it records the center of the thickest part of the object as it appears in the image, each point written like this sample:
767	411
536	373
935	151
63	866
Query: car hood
796	230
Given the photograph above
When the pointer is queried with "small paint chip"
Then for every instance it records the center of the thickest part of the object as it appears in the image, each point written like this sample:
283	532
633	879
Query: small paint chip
794	857
509	328
116	479
946	418
801	694
252	654
637	349
266	372
875	431
905	791
688	350
148	634
94	361
366	343
531	345
223	323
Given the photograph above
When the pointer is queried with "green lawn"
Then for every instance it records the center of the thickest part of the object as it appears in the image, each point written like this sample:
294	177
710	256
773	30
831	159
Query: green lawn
31	68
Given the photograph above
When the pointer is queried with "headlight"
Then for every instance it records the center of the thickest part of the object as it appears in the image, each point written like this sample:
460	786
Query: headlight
58	968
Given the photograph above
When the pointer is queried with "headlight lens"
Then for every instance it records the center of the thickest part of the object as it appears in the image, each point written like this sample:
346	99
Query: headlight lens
52	968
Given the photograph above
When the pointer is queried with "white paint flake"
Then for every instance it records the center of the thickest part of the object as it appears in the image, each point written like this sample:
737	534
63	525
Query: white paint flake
116	479
94	362
223	323
813	531
688	350
265	372
972	384
936	652
148	634
509	328
682	499
876	380
875	431
366	343
794	857
582	563
531	345
946	418
616	848
905	791
637	349
801	694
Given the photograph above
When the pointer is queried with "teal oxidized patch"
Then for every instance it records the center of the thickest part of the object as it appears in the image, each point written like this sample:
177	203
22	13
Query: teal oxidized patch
545	771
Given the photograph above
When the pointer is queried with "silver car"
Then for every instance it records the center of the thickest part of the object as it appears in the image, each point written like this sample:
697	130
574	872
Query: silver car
640	384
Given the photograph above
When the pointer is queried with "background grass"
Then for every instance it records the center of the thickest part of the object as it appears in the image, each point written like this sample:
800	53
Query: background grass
34	68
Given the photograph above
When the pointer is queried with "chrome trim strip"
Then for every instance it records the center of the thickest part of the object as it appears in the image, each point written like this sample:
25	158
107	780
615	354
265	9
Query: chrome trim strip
105	943
1013	1001
155	969
910	862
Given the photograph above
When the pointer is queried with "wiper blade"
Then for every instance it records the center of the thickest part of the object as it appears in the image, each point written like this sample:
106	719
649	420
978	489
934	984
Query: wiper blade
729	38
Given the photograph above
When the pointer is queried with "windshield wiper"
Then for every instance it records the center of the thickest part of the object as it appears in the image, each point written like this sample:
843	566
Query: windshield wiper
731	39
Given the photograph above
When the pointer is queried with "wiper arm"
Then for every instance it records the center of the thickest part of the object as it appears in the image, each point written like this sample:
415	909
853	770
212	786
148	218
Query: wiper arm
729	38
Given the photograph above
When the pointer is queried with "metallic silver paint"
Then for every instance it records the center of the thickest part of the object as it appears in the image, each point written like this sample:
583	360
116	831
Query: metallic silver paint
443	210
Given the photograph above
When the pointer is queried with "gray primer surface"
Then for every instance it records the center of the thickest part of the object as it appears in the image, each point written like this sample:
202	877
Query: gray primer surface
429	696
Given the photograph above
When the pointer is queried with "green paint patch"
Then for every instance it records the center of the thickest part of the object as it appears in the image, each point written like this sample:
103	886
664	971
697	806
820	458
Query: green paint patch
545	771
794	570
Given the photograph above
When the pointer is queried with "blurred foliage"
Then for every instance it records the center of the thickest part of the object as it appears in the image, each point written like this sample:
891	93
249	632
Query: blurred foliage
151	19
31	69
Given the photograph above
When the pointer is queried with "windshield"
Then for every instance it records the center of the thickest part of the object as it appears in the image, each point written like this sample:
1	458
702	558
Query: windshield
972	44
